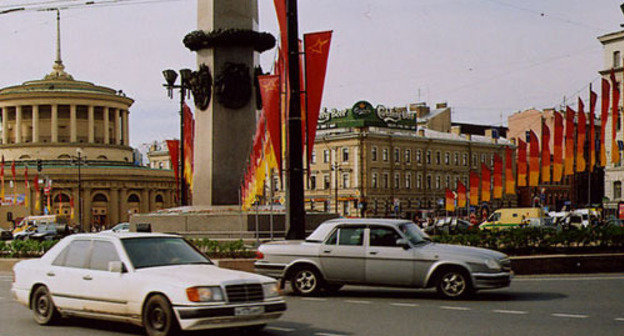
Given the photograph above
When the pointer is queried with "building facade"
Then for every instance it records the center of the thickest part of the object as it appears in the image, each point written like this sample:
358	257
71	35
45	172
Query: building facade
613	51
379	162
73	137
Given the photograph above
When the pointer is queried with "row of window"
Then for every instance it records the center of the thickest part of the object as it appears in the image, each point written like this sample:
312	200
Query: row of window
383	181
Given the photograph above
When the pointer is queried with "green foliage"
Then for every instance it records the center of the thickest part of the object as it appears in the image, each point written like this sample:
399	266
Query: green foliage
212	248
526	241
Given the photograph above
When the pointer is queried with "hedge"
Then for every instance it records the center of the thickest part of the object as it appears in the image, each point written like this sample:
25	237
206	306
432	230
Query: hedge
212	248
528	241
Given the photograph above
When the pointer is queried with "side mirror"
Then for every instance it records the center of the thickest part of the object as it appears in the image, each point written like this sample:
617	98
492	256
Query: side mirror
403	243
116	267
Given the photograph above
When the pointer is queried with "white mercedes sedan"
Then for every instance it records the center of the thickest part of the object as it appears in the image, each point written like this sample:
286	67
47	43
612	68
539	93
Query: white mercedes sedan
157	281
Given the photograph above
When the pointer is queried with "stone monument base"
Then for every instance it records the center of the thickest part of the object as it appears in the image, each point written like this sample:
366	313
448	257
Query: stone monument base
223	222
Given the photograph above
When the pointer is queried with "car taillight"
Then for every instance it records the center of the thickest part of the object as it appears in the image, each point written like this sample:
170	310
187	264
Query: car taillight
259	255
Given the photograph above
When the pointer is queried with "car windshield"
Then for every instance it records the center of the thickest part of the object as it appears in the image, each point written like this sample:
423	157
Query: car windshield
413	233
162	251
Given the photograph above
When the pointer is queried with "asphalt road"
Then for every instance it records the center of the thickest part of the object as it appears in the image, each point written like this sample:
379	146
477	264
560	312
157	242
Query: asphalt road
536	305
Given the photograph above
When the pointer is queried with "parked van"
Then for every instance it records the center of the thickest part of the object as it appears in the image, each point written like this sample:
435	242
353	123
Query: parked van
515	217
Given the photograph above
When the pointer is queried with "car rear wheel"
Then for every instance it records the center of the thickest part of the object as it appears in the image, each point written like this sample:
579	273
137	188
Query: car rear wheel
44	311
453	284
306	281
158	317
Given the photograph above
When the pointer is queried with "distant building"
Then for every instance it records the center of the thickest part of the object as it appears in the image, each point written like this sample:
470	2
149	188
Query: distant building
373	161
574	190
158	156
613	51
77	133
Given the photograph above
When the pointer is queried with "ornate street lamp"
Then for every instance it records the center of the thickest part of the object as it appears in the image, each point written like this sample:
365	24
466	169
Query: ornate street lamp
184	87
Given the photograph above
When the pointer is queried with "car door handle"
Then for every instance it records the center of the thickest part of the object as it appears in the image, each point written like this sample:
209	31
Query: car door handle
50	274
327	251
87	277
373	252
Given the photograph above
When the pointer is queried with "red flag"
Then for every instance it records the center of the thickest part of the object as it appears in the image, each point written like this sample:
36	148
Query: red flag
522	163
13	182
592	129
174	156
545	152
316	54
604	115
270	92
486	177
580	143
569	142
615	99
449	200
558	148
37	195
461	194
510	185
474	188
280	9
497	191
189	138
534	156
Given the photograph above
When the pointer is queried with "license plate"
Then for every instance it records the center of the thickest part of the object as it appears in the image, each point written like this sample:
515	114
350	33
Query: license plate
246	311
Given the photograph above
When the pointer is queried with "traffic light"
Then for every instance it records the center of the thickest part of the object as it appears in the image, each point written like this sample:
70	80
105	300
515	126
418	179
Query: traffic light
39	166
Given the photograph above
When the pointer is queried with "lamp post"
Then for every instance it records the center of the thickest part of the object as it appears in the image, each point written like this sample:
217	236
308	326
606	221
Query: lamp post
79	160
170	78
335	167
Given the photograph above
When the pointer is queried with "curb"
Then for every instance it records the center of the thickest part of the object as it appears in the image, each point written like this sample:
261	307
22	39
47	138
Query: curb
523	265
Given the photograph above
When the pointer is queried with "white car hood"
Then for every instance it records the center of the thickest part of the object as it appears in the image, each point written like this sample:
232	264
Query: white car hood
462	251
201	275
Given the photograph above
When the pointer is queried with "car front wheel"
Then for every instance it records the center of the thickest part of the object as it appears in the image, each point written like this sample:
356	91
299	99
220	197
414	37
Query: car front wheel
306	281
158	317
44	311
454	284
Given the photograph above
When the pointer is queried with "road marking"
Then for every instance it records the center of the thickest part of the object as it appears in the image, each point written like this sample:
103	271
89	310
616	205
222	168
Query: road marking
358	301
405	304
313	299
569	279
280	329
515	312
326	334
454	308
570	316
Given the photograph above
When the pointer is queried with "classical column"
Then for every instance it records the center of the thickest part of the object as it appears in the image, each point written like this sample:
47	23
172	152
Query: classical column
106	121
91	124
18	124
5	129
117	113
123	206
126	125
144	205
35	123
54	123
72	123
152	203
114	206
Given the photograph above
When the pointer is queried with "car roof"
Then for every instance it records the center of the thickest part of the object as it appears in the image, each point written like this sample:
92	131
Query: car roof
123	235
368	221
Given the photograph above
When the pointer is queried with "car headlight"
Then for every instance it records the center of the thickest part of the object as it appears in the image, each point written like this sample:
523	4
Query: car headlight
493	264
204	294
270	289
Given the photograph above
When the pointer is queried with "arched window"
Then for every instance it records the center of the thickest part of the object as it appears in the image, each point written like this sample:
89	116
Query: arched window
61	198
24	157
617	189
64	157
102	157
100	198
159	199
133	198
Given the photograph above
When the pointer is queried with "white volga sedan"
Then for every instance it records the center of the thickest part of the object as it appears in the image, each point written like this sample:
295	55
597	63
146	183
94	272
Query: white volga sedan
157	281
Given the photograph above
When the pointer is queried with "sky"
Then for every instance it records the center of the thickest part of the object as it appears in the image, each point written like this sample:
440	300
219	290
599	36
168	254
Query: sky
486	58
